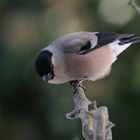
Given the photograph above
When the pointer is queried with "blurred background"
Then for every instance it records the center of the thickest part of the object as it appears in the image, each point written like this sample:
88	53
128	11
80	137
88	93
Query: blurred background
33	110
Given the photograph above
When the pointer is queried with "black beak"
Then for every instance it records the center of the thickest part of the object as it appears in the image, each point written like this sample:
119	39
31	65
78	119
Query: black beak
47	77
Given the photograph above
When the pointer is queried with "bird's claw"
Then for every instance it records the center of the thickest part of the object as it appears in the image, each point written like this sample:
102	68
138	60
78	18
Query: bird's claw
76	84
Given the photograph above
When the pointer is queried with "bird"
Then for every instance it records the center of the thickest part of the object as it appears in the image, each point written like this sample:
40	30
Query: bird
80	56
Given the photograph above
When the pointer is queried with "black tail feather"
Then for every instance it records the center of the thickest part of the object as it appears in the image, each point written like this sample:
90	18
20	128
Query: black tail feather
135	40
129	39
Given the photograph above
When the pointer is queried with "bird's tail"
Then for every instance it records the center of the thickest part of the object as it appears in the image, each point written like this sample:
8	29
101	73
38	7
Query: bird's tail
128	38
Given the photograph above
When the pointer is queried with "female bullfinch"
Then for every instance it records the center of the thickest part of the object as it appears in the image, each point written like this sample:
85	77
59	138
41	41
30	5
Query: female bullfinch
81	56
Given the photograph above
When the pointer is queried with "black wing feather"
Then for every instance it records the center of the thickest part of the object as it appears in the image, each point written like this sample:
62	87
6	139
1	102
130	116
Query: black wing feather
105	38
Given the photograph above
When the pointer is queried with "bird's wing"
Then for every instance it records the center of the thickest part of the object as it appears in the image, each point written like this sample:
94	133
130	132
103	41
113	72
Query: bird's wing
100	39
80	42
105	38
77	46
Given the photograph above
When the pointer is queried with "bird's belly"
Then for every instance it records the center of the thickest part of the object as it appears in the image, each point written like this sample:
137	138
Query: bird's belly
92	66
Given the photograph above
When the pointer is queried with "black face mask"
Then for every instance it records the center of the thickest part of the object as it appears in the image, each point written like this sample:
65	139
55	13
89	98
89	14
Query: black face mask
44	66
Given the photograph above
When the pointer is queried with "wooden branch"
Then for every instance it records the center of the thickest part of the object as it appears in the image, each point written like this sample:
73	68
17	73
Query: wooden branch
133	4
95	121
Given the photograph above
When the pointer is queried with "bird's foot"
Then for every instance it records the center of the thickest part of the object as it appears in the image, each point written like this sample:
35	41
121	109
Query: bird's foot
75	84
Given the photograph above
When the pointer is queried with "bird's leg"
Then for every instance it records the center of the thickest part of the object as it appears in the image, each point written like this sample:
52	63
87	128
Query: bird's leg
75	84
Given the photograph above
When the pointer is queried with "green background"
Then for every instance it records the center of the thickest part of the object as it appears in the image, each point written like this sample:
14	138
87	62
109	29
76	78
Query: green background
33	110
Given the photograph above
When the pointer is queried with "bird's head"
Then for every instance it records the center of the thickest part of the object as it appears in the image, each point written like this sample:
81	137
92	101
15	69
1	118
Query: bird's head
44	66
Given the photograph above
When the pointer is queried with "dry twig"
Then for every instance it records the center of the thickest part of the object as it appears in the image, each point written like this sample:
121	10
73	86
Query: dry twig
134	5
95	121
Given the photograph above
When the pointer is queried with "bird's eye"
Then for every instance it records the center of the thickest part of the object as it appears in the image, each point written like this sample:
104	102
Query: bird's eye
52	66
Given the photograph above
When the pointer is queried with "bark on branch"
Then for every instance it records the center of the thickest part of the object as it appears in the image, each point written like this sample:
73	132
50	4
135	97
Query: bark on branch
95	121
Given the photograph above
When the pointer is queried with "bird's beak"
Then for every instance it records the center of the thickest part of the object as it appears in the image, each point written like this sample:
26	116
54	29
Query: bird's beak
47	77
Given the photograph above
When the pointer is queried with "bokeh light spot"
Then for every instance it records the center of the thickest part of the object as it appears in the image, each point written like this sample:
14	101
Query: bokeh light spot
116	12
